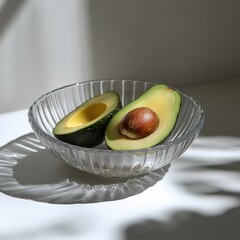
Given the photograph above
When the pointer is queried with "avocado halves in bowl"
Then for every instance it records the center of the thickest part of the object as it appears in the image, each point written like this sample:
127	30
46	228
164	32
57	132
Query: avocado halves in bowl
49	109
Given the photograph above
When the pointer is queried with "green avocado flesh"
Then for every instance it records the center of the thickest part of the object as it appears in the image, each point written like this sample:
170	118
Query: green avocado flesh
161	99
85	126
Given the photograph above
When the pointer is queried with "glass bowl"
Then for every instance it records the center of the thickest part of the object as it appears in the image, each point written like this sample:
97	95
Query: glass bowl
49	109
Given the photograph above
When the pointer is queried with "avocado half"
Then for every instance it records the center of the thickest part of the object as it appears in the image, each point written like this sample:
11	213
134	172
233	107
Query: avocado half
161	99
85	126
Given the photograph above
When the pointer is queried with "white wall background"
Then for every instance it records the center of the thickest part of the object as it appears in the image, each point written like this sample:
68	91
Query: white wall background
166	40
44	46
50	43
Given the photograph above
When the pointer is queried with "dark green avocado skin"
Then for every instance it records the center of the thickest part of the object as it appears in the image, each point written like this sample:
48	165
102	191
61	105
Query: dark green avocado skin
90	136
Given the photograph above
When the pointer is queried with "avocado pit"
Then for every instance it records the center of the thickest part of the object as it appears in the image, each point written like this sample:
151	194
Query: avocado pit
138	123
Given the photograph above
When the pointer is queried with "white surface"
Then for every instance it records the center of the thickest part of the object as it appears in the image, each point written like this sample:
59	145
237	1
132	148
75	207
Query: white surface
29	220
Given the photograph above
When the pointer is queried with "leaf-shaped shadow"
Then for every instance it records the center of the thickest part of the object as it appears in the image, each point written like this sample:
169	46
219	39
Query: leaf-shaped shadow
211	166
208	177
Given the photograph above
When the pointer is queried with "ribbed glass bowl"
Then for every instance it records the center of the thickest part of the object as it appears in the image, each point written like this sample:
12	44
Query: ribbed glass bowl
49	109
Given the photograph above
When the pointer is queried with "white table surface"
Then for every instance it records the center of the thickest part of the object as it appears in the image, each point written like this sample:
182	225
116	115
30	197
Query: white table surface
199	198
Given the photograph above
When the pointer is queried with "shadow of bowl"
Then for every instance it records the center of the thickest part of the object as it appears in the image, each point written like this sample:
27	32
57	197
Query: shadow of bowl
29	171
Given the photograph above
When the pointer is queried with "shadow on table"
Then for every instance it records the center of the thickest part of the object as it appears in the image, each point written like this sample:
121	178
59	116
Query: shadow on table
209	171
28	170
188	226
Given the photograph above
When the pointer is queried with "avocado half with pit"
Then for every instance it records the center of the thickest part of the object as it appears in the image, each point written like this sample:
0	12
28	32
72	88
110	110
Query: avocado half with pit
85	126
157	109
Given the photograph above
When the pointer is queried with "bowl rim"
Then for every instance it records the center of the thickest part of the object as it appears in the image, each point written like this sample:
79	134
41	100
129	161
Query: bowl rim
60	143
